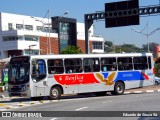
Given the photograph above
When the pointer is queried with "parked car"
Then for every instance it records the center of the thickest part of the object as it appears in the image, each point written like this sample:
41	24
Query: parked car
157	81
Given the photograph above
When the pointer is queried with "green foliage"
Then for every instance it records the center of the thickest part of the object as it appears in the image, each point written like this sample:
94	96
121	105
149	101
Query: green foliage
128	48
72	50
1	84
108	43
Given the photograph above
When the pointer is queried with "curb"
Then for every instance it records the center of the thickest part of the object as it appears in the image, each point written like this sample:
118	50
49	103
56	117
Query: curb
138	92
2	96
127	92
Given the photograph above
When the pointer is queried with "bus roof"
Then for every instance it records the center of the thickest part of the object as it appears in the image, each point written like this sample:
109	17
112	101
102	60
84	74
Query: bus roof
53	56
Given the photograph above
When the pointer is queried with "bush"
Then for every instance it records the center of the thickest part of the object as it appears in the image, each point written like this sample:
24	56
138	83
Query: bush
1	84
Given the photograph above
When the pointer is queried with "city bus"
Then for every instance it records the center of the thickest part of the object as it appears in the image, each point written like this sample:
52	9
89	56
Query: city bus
37	76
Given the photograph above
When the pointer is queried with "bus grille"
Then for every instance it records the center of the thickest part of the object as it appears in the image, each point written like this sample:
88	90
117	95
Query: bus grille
16	89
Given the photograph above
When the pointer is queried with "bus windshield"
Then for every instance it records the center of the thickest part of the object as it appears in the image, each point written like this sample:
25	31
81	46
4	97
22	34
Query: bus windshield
19	70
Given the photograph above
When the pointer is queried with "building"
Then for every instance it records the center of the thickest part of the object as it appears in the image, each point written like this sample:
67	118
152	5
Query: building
22	35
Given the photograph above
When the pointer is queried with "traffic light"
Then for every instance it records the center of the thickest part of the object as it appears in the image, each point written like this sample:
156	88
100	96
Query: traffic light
122	13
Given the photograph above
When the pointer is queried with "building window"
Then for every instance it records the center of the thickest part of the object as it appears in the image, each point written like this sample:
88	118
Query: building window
19	26
12	38
31	38
32	52
97	45
10	26
28	27
39	28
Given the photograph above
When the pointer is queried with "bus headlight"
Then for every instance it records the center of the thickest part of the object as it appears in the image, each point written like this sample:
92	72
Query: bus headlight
23	88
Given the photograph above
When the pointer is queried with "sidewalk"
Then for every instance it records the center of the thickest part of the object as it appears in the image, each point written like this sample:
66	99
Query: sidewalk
153	88
4	94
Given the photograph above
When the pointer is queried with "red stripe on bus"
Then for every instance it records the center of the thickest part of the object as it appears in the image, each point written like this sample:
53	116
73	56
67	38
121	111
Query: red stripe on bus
145	76
71	79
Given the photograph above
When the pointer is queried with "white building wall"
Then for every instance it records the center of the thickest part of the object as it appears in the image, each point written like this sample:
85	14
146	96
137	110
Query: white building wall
6	18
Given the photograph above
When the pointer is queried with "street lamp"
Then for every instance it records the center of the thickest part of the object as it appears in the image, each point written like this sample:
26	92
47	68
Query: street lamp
48	24
146	34
30	48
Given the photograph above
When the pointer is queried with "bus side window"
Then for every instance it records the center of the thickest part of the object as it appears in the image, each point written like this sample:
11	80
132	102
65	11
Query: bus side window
73	65
104	68
108	64
55	66
91	65
141	63
125	63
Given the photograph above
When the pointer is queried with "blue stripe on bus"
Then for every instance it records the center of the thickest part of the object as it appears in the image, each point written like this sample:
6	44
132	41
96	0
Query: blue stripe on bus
127	75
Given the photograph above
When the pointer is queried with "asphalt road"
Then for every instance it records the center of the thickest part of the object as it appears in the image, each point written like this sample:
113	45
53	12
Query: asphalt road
125	103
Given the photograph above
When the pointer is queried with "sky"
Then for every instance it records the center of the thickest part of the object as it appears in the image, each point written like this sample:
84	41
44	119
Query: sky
77	8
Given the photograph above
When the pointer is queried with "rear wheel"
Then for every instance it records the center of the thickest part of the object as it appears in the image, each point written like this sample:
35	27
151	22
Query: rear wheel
118	88
55	93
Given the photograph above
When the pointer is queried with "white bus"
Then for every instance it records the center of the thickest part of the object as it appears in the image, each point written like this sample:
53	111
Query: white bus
54	75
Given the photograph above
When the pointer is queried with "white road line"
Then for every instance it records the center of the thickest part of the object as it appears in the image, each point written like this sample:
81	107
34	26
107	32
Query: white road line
150	91
53	118
106	101
81	108
127	92
137	91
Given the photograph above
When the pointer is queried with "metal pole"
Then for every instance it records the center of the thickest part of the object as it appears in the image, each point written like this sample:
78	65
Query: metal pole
113	47
148	43
29	49
86	38
49	32
147	37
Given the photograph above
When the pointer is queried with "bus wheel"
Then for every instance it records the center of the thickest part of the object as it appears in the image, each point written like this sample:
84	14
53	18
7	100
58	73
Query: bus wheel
55	93
36	98
118	88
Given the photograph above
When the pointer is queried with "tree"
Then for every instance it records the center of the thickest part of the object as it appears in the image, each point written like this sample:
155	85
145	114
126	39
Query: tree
152	45
108	46
72	50
130	48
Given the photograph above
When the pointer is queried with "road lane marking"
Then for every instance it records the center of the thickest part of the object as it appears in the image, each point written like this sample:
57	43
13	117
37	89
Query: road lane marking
150	91
81	108
137	91
127	92
53	118
106	101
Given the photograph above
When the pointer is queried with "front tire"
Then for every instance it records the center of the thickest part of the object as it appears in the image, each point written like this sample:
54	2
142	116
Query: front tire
118	88
55	93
